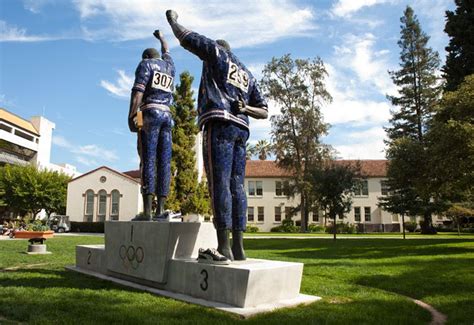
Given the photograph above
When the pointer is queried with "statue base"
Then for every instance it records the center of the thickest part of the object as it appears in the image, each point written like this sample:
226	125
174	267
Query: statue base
161	258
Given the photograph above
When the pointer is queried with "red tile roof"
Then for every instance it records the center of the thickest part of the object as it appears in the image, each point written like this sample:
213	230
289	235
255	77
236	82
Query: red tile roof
269	168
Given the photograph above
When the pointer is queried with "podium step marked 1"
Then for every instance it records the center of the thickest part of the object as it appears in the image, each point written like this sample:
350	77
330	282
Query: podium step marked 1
160	257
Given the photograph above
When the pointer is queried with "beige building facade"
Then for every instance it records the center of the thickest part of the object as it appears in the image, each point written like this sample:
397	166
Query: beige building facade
268	205
103	194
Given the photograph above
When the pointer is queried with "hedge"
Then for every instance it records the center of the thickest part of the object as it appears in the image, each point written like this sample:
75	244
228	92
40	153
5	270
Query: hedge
97	227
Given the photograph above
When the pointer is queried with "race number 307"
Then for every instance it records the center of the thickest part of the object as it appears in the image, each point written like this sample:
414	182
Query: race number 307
238	77
162	81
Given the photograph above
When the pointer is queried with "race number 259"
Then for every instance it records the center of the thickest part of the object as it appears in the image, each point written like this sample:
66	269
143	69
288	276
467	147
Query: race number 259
162	81
238	77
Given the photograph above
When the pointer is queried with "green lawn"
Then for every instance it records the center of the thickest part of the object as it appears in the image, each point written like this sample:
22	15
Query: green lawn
360	281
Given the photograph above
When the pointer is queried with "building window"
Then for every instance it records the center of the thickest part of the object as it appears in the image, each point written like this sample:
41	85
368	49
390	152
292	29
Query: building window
260	216
102	205
24	135
367	214
259	185
315	215
250	214
288	212
115	205
362	188
281	188
384	187
251	188
394	217
255	188
277	214
89	205
5	128
357	214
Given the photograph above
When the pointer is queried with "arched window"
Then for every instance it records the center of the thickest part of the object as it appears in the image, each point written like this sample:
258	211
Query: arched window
102	206
115	205
89	205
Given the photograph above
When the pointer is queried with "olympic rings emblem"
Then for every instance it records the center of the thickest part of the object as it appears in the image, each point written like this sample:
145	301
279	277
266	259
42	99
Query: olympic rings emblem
131	256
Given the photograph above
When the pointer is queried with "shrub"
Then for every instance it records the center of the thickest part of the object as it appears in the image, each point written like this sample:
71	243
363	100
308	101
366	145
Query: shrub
287	225
37	226
96	227
410	226
252	229
315	228
342	228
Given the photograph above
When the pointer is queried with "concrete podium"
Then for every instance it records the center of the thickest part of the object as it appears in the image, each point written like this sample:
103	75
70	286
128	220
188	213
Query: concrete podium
161	257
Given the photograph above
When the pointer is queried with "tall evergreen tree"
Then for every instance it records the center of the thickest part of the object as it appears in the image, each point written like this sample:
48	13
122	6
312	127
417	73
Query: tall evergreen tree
419	92
185	192
298	87
460	58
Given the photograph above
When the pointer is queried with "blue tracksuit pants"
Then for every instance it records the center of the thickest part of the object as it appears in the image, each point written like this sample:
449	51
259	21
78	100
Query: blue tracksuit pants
224	151
154	147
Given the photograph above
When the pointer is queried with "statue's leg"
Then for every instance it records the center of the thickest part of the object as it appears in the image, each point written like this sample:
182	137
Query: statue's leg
163	166
149	142
218	145
239	197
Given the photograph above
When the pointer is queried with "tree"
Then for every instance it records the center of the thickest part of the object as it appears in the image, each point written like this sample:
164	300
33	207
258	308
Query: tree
332	187
185	192
456	212
450	142
419	92
460	59
26	189
262	149
297	86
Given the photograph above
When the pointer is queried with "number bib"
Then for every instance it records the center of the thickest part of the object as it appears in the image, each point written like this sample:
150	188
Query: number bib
238	77
162	81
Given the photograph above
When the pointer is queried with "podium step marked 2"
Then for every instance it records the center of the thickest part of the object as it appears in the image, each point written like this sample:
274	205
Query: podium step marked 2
167	266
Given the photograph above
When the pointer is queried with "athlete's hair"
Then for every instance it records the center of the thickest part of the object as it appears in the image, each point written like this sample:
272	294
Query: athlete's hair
150	53
223	43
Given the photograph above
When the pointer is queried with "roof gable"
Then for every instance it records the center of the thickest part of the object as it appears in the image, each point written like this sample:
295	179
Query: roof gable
128	178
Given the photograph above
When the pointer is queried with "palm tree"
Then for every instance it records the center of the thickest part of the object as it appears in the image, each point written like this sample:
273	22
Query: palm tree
250	151
263	149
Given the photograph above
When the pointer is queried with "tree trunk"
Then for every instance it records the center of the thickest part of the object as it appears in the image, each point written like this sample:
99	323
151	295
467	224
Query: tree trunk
427	225
303	214
403	225
335	226
459	227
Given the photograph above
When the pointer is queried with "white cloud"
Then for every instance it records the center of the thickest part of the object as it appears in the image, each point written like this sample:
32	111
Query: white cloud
92	150
121	87
366	144
35	6
61	141
87	161
9	33
243	23
345	8
256	69
371	66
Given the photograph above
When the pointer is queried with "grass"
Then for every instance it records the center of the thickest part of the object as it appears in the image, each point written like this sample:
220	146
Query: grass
360	281
409	235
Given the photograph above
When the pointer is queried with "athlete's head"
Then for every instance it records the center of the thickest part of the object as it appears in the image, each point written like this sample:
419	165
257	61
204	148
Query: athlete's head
223	43
150	53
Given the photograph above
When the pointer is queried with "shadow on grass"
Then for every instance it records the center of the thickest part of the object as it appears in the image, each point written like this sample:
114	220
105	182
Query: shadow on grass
64	297
358	248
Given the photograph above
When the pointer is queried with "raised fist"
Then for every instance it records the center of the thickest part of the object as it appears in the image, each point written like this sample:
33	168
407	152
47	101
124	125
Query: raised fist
158	34
171	15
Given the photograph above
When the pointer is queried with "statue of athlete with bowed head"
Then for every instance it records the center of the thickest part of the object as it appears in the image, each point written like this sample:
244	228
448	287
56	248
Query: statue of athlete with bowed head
228	95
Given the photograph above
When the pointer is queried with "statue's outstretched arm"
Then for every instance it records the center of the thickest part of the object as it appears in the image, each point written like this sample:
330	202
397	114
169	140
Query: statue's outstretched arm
164	44
178	30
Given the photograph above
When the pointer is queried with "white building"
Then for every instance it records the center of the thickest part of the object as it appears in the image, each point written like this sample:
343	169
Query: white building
268	205
103	194
23	142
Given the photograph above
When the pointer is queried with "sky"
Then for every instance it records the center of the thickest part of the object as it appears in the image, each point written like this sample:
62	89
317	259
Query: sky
73	61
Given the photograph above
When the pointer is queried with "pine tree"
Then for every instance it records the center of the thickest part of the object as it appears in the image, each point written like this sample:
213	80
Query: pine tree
298	87
419	91
185	192
460	58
